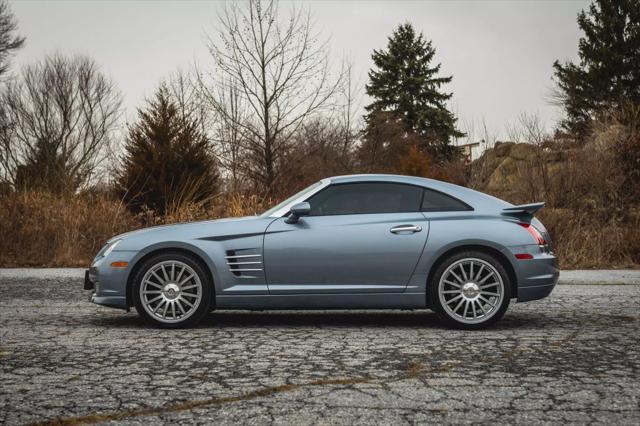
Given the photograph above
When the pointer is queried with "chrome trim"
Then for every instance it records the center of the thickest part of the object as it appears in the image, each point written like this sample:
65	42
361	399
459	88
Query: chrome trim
235	262
246	288
405	228
284	210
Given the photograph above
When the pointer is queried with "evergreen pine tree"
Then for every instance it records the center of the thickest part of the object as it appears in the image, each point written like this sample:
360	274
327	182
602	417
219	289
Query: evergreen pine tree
167	159
608	74
406	83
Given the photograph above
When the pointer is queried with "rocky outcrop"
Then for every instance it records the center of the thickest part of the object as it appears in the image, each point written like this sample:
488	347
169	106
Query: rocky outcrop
505	168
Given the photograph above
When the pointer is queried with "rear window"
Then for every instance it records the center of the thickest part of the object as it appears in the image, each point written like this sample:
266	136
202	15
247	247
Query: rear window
435	201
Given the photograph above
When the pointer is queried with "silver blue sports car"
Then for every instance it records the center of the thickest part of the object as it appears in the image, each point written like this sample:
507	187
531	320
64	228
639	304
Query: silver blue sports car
348	242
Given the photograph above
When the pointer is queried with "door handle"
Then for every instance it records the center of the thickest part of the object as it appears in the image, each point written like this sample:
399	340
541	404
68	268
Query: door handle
405	228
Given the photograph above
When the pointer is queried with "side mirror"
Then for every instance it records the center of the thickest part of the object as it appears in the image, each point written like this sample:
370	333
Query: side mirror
298	210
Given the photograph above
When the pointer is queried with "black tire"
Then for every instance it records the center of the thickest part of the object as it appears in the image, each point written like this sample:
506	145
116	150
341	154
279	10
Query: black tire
456	321
202	308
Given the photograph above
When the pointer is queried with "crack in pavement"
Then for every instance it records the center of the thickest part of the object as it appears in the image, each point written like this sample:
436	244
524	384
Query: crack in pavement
190	405
413	370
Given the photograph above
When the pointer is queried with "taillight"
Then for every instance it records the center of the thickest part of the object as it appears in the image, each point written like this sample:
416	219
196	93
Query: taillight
537	236
524	256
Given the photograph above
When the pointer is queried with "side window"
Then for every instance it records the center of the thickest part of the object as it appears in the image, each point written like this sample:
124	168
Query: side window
435	201
366	198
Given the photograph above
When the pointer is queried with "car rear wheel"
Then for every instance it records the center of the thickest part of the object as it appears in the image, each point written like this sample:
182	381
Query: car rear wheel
470	290
172	290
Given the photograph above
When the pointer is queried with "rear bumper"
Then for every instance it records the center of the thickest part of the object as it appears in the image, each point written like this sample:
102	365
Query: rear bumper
526	294
537	277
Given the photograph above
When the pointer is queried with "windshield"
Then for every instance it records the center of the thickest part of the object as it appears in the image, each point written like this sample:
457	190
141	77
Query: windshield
290	199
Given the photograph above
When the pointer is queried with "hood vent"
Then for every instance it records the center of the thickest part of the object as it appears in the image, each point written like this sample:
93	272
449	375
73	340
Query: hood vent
244	263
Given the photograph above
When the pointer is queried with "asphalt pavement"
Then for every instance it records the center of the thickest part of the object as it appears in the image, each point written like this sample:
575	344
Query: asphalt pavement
571	358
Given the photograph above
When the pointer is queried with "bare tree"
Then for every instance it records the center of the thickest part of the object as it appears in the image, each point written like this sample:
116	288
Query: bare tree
60	117
531	129
350	119
9	41
230	140
223	132
276	71
487	140
325	144
183	91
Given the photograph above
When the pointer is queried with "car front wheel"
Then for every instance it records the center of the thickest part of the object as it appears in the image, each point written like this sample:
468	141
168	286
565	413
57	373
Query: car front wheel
172	290
470	290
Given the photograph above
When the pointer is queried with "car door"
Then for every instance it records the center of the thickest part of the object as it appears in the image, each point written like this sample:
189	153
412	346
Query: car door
358	238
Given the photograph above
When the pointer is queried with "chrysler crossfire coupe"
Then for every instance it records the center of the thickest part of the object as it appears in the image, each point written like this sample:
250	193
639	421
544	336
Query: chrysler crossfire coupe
348	242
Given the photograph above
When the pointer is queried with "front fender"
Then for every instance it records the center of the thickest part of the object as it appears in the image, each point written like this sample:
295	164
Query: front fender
163	246
212	242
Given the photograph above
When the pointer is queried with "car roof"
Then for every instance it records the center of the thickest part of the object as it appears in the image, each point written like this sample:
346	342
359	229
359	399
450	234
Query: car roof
380	177
476	199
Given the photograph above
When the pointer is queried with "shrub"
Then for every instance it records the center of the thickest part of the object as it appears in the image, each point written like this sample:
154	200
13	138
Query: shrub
415	162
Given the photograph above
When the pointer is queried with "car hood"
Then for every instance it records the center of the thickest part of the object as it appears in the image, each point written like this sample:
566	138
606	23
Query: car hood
187	228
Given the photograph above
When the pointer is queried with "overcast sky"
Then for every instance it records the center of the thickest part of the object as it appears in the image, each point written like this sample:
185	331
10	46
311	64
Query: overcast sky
500	53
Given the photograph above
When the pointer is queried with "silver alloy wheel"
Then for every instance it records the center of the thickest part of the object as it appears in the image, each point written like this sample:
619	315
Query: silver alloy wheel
171	291
471	290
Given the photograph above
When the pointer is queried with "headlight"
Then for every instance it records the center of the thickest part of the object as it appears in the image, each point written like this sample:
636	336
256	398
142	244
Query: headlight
110	248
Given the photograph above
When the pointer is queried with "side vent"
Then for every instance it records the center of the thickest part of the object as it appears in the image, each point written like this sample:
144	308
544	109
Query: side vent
244	263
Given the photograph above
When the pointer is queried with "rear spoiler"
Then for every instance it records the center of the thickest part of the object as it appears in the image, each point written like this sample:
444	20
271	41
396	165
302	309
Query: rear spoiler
523	209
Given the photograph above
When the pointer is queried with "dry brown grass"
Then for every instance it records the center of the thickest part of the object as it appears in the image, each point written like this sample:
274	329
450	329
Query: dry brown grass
42	229
588	239
224	205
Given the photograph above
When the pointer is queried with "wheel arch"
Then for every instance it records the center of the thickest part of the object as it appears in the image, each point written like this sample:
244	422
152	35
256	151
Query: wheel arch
497	254
188	251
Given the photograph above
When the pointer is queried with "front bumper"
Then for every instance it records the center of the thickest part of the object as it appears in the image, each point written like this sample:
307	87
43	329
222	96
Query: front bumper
88	284
108	284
